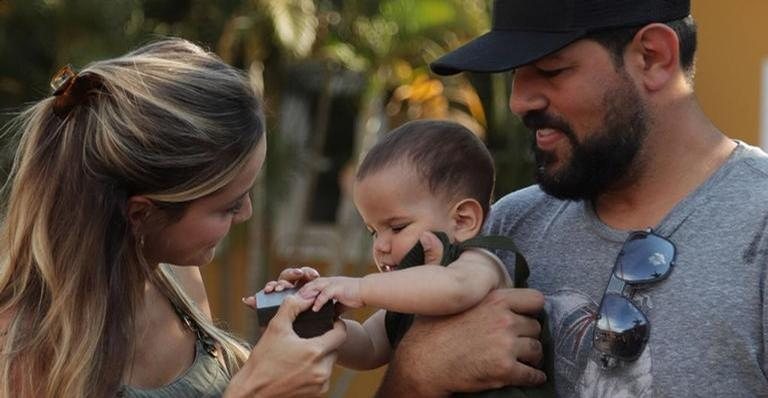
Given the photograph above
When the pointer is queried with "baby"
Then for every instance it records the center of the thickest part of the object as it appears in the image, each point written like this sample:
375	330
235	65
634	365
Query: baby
427	175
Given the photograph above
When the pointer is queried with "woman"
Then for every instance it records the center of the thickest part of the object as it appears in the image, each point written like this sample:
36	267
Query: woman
133	164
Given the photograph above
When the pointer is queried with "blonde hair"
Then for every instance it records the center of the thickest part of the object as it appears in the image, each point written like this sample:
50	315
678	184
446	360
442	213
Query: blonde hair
169	121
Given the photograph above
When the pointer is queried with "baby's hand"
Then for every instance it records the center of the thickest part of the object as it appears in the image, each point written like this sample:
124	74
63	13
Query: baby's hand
291	277
344	289
287	279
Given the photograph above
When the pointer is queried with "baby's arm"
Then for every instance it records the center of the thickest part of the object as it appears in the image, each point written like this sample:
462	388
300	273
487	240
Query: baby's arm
423	289
366	346
433	289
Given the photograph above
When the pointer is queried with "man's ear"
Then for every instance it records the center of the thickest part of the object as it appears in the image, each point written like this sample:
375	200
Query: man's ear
655	54
467	218
138	210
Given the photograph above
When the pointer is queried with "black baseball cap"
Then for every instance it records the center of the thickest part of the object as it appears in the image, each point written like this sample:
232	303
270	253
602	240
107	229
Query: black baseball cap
526	30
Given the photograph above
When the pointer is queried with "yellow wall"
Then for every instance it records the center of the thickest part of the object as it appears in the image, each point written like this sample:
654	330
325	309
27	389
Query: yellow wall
733	40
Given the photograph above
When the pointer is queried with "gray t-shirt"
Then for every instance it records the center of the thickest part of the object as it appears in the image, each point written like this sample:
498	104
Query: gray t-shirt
707	319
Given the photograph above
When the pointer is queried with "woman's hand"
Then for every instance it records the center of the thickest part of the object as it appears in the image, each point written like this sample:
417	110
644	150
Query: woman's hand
284	365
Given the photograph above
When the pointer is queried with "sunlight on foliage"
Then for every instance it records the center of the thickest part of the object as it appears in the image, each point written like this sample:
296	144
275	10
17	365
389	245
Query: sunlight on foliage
295	24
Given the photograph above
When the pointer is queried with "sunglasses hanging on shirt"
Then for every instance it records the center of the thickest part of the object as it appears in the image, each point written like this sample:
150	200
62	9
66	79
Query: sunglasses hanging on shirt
622	329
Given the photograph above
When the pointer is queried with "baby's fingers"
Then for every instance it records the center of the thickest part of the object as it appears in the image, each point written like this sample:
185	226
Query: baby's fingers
283	284
308	292
320	300
270	286
299	275
310	273
291	274
277	286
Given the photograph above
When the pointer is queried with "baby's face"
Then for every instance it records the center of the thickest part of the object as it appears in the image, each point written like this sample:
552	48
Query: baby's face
397	207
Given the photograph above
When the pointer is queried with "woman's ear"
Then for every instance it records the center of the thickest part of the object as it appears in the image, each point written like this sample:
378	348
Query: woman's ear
138	210
467	218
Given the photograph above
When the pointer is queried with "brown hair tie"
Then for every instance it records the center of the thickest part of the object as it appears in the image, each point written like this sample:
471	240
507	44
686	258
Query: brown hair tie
71	89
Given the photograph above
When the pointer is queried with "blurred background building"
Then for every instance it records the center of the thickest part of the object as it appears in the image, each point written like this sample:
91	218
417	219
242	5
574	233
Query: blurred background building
335	74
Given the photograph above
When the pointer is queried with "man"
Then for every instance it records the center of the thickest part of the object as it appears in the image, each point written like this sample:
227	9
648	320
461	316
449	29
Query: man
645	232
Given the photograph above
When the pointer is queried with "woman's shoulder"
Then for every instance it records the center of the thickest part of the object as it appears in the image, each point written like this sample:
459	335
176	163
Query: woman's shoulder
191	280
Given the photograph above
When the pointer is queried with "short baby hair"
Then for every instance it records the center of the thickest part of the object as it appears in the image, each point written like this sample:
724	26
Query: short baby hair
450	159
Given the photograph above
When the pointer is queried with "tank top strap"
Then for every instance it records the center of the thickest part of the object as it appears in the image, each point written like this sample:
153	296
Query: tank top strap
208	342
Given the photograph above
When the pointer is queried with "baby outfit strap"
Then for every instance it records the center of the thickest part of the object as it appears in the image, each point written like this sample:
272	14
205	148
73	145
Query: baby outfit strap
499	242
452	251
415	256
397	324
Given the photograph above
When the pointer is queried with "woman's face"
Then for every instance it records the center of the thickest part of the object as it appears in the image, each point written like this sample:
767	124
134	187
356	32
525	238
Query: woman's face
192	239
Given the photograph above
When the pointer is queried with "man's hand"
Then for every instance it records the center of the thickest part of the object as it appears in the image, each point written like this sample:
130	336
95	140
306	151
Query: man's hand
433	248
488	346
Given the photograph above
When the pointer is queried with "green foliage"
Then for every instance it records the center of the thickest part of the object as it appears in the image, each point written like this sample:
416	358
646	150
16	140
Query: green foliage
39	36
385	46
388	42
415	17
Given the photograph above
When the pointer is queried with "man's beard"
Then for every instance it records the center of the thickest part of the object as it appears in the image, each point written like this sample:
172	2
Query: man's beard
604	160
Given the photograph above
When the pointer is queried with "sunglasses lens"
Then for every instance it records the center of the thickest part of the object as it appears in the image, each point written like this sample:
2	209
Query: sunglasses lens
622	330
644	258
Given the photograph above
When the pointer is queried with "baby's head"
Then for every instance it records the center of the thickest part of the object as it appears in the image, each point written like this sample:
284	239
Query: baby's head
426	175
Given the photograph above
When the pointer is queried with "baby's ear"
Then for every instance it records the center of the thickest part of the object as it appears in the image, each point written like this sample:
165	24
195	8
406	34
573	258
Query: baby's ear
467	218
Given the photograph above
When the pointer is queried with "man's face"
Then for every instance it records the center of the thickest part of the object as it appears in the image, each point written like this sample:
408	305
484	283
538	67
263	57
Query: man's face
588	119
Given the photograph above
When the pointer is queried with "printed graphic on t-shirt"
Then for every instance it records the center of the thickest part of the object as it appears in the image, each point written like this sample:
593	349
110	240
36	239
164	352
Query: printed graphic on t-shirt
572	317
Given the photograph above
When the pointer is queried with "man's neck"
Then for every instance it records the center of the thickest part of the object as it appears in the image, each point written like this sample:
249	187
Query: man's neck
673	163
